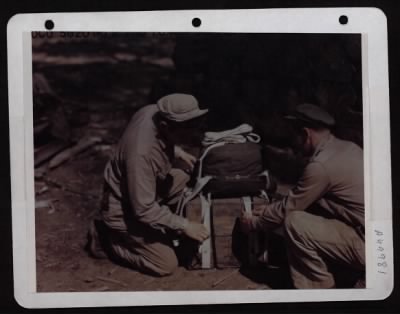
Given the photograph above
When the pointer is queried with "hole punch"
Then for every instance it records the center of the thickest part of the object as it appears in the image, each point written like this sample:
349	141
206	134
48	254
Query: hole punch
49	25
343	19
196	22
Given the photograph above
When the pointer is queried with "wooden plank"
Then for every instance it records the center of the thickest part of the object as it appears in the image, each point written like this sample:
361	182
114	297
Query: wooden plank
40	128
225	212
67	154
205	248
48	151
252	239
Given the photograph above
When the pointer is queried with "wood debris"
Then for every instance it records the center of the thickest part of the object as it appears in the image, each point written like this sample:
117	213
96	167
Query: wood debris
50	265
45	203
112	281
112	271
67	154
52	209
40	127
95	125
67	188
88	280
161	62
224	278
39	173
102	148
263	287
44	189
48	151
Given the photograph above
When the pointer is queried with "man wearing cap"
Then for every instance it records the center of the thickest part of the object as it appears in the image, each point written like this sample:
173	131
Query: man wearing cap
142	189
323	215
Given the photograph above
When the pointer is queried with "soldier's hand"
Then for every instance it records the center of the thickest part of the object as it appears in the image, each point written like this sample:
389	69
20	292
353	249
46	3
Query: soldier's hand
259	210
189	159
196	231
245	222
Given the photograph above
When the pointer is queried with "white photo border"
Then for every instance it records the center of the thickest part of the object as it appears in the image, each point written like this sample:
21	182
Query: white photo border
369	22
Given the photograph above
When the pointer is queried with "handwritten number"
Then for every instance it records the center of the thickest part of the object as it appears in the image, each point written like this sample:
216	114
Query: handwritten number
378	233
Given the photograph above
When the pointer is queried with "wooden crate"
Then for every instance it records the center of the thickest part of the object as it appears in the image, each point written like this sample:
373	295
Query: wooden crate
225	213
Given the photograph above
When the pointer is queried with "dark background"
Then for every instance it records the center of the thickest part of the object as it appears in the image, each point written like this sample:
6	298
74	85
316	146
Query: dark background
7	303
241	78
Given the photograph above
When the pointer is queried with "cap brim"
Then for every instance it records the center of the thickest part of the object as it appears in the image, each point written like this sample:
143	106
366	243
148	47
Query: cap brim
312	122
291	117
295	118
186	117
200	113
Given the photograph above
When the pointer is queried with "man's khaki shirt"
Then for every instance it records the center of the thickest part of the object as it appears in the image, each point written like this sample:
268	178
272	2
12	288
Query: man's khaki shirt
141	159
333	178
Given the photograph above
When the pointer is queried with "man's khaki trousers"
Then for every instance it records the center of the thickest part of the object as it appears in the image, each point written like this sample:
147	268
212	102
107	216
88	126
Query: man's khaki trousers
312	240
144	248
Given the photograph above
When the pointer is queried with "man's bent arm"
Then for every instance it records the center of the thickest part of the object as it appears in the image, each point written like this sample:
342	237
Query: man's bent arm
142	196
312	185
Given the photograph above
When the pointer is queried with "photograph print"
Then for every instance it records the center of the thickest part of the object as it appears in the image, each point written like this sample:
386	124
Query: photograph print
198	161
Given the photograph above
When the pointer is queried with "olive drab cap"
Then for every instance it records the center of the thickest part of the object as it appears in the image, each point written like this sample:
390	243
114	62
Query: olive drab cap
312	114
179	107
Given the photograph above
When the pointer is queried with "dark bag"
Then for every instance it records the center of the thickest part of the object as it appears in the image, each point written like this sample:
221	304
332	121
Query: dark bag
236	186
236	169
239	159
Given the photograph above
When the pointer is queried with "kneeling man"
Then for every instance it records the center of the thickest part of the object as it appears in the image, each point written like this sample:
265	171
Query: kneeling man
323	215
142	189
